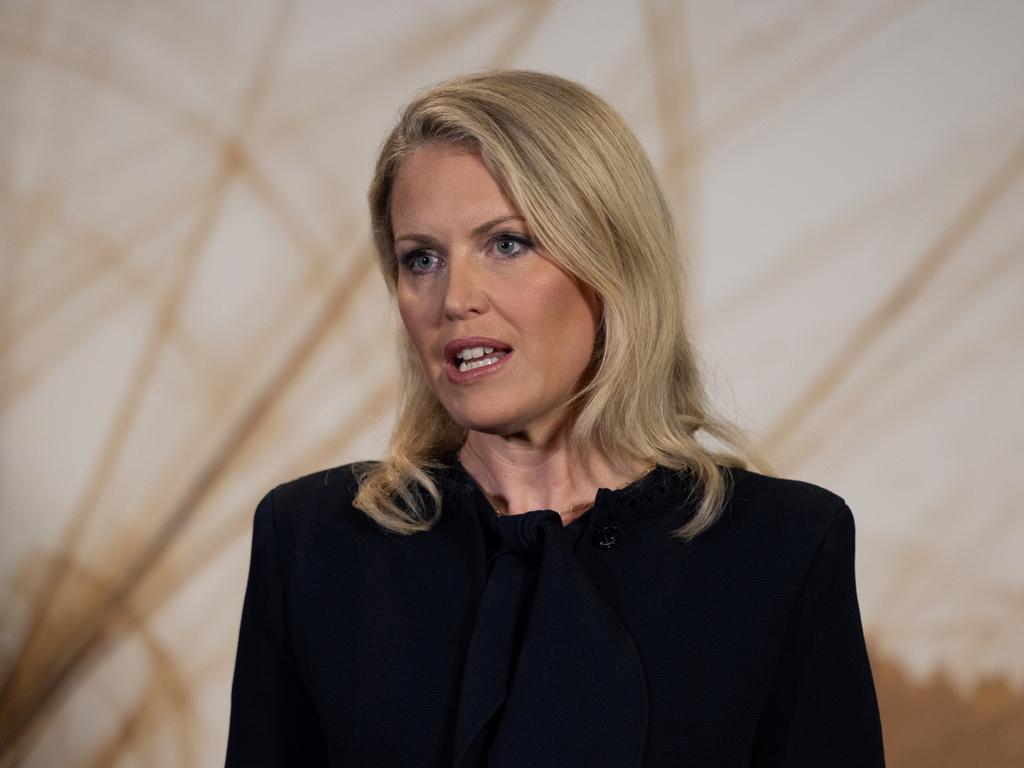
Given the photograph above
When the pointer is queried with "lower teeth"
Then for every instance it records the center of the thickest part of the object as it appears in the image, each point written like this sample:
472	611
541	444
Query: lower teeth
478	363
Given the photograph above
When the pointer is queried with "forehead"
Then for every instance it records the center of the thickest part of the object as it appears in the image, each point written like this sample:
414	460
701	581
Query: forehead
441	187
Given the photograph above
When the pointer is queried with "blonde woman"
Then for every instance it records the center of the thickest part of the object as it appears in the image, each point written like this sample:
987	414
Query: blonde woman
550	567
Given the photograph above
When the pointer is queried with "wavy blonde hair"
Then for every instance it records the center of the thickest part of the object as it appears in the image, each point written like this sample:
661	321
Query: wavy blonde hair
581	179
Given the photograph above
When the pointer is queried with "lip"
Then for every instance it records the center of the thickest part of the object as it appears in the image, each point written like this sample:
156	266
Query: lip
452	348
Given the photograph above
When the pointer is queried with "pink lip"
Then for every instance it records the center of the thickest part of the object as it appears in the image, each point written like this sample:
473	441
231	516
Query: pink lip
452	348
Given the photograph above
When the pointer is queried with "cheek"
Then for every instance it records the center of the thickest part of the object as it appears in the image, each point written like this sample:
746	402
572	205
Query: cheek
566	320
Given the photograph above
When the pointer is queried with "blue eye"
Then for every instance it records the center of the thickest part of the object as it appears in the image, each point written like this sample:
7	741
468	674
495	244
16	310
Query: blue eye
509	245
419	262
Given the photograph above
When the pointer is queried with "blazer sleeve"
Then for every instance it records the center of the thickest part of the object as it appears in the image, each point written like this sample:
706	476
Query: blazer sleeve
273	721
822	709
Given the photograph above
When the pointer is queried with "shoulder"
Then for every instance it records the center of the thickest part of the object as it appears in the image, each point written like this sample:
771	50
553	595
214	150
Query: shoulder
782	499
749	487
341	482
785	515
311	504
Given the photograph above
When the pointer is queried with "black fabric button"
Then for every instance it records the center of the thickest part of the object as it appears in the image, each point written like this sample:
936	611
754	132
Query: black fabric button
606	536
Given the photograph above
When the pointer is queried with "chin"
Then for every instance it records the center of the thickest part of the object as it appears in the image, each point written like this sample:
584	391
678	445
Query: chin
496	421
486	425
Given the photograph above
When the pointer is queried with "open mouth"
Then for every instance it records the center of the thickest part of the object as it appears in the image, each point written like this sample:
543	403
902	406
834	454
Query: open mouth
473	356
477	357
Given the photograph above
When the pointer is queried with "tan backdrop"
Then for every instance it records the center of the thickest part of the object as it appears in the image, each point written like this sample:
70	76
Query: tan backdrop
189	314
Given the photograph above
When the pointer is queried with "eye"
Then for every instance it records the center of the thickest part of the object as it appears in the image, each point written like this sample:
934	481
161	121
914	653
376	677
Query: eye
510	245
420	262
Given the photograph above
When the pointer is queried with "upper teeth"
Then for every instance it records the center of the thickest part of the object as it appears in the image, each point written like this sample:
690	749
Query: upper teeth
471	353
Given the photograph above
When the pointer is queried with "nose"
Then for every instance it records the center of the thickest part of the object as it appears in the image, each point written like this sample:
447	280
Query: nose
465	293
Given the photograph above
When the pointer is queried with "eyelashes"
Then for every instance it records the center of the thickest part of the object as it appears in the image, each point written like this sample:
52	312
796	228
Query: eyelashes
522	241
414	261
504	246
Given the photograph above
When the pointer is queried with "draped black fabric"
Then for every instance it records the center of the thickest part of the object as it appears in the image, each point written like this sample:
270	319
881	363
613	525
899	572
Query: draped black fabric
544	640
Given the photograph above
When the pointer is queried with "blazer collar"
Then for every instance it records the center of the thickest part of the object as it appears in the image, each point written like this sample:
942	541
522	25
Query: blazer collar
660	489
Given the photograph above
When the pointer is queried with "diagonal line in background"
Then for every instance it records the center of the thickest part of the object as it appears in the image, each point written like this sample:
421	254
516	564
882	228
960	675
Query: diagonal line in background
107	258
166	684
24	673
26	223
961	363
110	262
412	52
100	254
157	587
804	72
187	120
31	681
88	636
812	248
675	97
900	299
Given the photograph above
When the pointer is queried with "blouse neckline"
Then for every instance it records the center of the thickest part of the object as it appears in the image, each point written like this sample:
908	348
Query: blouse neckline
652	480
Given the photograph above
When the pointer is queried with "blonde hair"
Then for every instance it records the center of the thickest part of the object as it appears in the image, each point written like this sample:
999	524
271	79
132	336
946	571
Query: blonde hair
580	177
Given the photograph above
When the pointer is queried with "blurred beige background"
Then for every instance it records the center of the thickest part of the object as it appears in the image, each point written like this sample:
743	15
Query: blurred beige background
189	314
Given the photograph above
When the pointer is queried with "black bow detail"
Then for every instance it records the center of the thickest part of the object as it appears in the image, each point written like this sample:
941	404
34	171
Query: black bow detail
552	677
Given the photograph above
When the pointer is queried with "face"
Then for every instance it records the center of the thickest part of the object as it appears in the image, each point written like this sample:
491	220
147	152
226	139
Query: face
504	334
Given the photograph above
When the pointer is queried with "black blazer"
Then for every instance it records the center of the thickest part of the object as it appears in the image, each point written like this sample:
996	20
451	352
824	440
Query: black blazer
515	642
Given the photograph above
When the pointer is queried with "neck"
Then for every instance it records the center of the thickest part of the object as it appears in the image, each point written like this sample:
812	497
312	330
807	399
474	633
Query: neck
519	474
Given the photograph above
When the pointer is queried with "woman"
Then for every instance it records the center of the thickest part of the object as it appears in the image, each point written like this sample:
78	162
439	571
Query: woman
550	567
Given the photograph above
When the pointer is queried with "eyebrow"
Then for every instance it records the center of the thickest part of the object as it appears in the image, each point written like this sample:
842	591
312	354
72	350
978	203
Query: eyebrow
477	232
